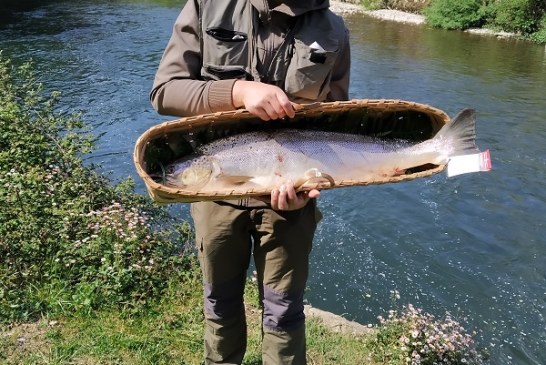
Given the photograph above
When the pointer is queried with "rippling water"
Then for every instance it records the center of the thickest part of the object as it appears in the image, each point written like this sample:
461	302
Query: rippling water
472	245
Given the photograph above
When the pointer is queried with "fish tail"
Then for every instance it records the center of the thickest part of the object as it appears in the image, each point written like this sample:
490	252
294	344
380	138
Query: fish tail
460	133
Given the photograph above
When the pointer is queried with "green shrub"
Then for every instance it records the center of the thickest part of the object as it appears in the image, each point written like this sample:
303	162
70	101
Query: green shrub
518	16
449	14
70	240
540	35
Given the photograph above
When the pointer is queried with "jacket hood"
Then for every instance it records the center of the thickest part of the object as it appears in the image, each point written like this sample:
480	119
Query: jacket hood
288	7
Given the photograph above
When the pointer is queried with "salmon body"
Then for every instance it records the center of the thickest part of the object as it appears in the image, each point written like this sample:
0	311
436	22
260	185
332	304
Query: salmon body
264	160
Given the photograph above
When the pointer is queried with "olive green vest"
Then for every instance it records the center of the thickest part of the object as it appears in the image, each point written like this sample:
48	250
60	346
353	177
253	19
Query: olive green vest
303	64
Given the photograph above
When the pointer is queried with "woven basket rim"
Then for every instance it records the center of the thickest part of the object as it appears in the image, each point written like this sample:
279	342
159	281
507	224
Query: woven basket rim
168	194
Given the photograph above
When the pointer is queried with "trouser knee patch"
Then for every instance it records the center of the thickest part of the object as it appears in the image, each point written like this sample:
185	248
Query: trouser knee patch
283	311
224	300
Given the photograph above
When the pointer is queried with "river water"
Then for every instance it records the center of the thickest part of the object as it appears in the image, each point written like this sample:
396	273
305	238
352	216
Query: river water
472	245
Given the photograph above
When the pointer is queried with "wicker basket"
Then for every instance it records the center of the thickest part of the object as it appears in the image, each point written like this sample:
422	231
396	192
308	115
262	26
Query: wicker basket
169	141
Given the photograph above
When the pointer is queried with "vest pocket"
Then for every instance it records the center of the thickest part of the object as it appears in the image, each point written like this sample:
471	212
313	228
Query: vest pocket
225	47
226	72
310	70
226	35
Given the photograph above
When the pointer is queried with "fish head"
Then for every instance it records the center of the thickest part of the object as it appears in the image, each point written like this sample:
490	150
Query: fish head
198	173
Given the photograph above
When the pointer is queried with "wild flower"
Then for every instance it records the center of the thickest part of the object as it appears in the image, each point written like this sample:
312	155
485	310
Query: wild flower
421	338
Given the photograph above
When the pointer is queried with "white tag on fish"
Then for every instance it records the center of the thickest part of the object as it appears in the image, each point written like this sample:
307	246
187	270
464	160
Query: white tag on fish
458	165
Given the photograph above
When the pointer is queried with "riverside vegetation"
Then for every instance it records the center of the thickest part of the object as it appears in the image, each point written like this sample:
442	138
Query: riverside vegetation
92	272
524	18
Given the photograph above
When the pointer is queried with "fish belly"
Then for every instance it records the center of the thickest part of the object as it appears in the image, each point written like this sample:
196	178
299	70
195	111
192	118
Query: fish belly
267	165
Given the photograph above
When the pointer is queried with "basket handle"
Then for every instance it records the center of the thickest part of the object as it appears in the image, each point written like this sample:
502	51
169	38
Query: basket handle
304	107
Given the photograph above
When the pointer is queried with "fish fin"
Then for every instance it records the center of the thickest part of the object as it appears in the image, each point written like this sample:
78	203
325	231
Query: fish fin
399	172
313	176
233	179
461	132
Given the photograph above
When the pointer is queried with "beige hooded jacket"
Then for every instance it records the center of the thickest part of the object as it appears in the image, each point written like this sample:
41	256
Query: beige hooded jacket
181	88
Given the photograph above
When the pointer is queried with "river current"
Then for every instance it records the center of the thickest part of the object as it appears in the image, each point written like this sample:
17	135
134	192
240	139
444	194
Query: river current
472	245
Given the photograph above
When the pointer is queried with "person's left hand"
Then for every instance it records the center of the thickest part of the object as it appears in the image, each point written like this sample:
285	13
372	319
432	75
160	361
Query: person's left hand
286	198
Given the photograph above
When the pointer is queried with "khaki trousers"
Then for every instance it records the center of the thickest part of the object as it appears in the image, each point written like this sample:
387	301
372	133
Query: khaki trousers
281	242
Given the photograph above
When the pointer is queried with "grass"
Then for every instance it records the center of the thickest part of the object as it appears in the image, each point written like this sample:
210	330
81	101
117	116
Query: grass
168	331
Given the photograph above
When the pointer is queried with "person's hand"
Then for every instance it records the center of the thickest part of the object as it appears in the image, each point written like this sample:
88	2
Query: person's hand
286	198
263	100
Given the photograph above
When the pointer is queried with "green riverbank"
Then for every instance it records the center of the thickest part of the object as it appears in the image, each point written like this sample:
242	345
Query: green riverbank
168	331
521	19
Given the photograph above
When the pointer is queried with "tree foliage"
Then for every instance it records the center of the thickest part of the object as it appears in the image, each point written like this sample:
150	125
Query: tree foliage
449	14
520	16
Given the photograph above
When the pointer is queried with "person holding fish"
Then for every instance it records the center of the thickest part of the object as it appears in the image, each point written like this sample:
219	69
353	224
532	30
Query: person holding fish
268	57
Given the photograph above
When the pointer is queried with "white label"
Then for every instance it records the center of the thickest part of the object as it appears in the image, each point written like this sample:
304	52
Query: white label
458	165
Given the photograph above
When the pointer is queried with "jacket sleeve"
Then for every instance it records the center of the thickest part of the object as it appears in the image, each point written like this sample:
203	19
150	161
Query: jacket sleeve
339	83
178	87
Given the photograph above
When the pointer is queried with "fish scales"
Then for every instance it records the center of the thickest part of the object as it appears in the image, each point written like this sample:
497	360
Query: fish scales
265	159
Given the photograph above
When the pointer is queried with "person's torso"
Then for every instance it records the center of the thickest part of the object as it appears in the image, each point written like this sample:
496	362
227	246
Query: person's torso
296	53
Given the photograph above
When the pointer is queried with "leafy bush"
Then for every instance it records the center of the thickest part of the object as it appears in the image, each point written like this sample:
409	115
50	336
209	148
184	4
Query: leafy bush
69	239
540	35
413	337
510	15
449	14
518	16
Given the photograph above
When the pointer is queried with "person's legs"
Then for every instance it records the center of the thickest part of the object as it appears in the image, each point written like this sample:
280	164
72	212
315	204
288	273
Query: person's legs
224	245
282	246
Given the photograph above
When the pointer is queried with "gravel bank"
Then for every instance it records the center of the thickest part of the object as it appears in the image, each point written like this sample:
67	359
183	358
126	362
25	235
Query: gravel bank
397	15
342	8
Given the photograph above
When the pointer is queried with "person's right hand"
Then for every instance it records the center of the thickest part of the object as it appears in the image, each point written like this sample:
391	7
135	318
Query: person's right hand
263	100
286	198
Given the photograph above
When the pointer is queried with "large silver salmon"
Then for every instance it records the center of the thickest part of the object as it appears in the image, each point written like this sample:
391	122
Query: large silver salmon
263	160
